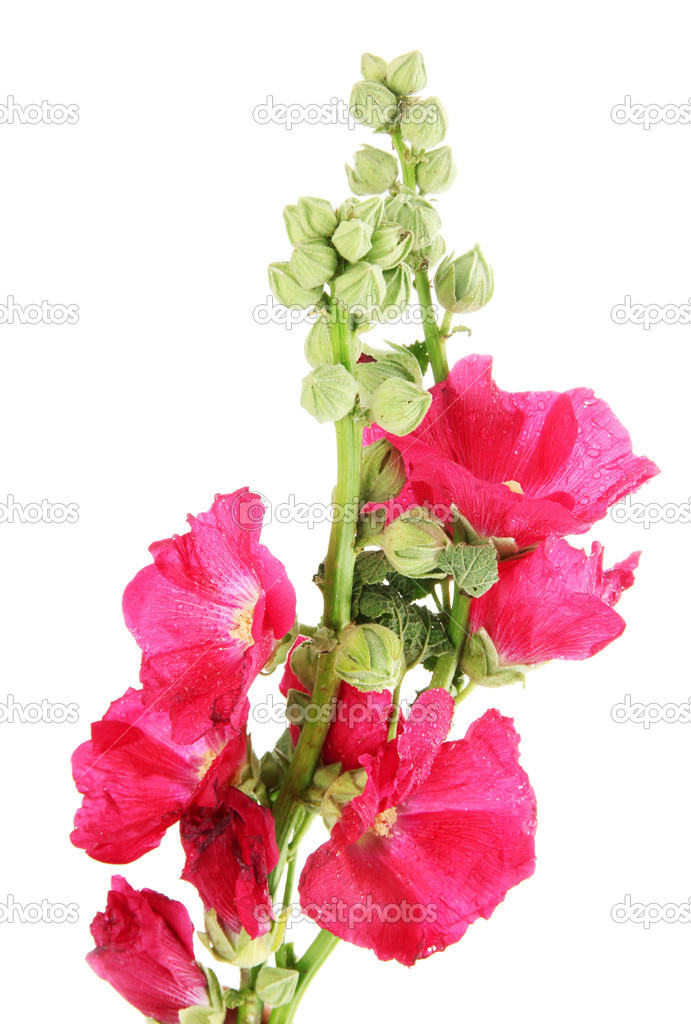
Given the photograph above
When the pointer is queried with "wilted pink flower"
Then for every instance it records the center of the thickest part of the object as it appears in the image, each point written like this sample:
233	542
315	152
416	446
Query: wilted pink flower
144	949
137	781
207	615
554	603
231	850
440	834
526	465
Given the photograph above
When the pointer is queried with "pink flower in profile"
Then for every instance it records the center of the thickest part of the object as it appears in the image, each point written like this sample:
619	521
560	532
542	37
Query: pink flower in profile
440	834
360	722
554	603
137	781
526	465
231	850
144	949
207	615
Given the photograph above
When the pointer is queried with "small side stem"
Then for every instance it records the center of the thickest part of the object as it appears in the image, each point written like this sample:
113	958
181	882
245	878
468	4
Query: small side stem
447	664
307	965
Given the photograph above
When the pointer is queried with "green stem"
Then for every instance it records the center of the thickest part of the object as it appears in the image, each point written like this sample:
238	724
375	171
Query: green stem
436	345
308	965
447	664
407	169
445	328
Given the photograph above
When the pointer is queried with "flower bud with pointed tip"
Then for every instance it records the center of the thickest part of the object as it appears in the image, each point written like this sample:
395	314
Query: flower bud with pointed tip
369	657
353	239
413	544
383	472
423	123
390	245
416	215
328	393
375	171
296	228
318	215
429	255
276	986
407	73
464	284
399	406
373	68
370	210
361	288
399	289
372	104
288	289
318	346
313	263
436	171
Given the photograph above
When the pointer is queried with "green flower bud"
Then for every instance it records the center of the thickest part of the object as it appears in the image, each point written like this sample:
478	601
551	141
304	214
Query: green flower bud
383	472
398	363
318	216
407	74
429	255
289	291
480	662
375	171
399	406
328	393
423	123
413	544
415	215
318	346
390	245
373	69
465	284
353	239
370	210
332	790
238	948
372	104
369	657
313	263
275	986
399	288
295	225
436	172
360	288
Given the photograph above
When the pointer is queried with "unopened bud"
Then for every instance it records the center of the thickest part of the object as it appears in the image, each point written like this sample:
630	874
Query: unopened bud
288	289
328	393
399	406
374	171
415	215
369	657
372	104
413	544
390	245
353	239
370	210
464	284
373	69
313	263
318	216
398	292
407	73
295	225
436	171
383	472
318	346
423	123
361	288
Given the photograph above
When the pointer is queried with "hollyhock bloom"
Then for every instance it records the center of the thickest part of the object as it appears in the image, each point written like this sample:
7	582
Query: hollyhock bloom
137	781
526	465
231	850
554	603
442	831
207	615
144	949
360	722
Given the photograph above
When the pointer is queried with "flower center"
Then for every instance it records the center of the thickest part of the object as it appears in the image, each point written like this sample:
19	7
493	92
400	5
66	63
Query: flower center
514	486
241	629
384	823
206	762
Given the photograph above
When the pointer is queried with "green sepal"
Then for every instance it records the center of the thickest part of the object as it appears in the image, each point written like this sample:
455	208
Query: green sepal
328	393
275	986
480	662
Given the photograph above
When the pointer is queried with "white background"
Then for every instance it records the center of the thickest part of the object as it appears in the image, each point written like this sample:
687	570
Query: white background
157	215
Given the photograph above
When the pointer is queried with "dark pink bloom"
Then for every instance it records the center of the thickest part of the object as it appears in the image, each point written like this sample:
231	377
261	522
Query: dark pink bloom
207	615
440	834
554	603
231	850
137	781
526	465
144	949
360	720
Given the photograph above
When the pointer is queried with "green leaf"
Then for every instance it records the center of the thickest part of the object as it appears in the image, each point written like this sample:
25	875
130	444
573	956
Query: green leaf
473	567
421	632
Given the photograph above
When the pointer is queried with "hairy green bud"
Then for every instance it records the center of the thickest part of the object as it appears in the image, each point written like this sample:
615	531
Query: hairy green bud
415	215
360	288
328	393
369	657
436	171
407	73
373	69
399	406
296	228
464	284
318	215
313	263
353	239
318	346
372	104
374	171
288	289
390	245
383	472
370	210
399	288
413	544
424	122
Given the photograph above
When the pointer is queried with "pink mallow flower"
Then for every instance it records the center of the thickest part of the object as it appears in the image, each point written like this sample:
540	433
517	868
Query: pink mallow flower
553	603
144	949
523	465
440	834
207	615
137	781
231	850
